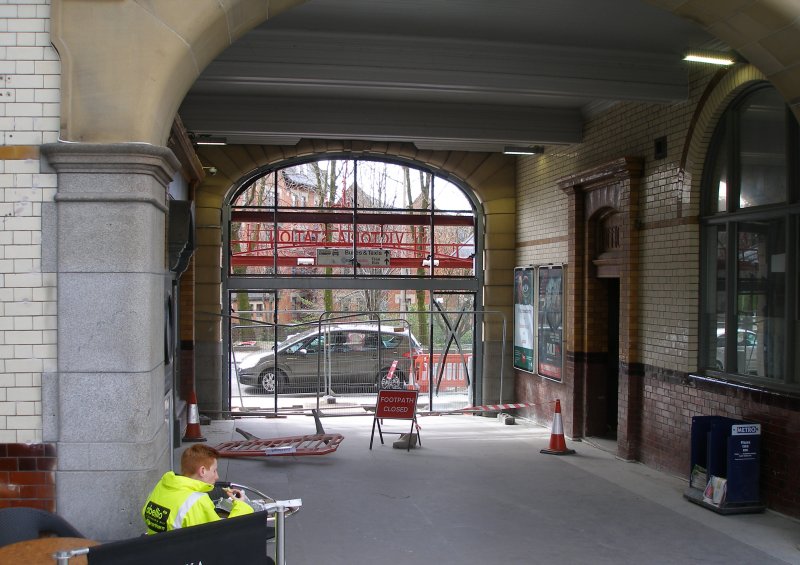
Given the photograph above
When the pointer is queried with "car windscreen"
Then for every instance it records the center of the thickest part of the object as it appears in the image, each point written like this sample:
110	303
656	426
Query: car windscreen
296	339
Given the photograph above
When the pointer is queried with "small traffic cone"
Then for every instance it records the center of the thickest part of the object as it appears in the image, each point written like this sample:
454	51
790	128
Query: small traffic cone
193	432
557	444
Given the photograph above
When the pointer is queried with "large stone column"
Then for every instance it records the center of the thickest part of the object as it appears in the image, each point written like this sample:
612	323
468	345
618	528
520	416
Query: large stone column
105	406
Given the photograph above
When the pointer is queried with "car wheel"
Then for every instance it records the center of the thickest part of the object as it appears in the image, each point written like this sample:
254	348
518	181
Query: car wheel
269	380
397	382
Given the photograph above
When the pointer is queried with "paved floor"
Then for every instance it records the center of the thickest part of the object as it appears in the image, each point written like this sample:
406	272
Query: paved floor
478	491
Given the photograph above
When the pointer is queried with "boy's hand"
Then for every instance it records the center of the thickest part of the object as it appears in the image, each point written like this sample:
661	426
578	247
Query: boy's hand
234	493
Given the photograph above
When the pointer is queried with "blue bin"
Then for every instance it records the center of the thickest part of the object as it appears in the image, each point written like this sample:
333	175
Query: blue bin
729	449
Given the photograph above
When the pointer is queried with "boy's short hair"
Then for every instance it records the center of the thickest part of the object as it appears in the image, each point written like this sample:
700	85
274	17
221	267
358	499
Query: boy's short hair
196	456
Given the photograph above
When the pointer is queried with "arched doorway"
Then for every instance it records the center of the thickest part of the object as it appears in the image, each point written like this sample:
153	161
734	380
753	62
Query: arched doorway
326	259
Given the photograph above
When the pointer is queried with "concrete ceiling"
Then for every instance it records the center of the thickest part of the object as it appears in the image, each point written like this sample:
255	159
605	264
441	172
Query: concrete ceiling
443	74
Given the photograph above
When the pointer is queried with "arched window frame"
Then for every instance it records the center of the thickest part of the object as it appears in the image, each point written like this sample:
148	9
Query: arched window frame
762	240
350	214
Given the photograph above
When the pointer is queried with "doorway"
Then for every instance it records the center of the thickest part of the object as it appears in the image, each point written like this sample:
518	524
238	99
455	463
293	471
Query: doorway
604	236
612	364
602	377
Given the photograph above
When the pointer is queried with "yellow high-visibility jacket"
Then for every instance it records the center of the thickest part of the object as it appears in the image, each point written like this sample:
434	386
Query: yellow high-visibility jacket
179	502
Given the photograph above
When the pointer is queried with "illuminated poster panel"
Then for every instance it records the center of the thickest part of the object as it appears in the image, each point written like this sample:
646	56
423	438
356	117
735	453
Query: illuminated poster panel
551	315
523	319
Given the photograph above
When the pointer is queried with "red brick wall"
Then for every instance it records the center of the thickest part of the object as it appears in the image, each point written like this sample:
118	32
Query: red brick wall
27	475
671	399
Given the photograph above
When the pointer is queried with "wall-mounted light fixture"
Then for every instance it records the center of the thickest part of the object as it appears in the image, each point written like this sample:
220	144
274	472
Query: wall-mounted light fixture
204	139
212	141
534	150
710	57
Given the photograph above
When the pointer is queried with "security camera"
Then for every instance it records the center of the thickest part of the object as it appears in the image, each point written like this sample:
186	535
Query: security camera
211	170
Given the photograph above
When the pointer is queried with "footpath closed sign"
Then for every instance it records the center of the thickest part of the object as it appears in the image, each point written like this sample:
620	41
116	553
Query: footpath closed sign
395	405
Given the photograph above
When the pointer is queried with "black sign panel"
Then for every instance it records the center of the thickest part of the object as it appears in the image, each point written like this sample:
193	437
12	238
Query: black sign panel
550	326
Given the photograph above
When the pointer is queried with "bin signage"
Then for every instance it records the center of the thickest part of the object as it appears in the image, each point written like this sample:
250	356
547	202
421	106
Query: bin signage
744	449
746	430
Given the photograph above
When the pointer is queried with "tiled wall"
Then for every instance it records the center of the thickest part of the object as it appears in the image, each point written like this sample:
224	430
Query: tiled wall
29	116
27	475
669	294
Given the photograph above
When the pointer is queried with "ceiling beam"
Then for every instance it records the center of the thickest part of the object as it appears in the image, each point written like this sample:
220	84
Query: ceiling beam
426	68
477	127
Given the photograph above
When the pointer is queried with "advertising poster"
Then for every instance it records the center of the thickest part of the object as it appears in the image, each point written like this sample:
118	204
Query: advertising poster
523	319
551	314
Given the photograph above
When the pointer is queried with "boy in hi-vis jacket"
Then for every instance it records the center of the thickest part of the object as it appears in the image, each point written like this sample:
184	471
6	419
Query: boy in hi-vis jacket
179	501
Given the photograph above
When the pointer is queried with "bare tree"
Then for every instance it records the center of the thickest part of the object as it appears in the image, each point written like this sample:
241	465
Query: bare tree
419	240
326	184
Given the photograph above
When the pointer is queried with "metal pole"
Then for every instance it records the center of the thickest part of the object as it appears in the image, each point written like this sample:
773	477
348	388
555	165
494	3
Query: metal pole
279	508
280	536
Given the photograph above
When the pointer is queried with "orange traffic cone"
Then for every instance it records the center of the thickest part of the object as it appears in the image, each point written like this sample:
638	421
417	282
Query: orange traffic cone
193	432
557	444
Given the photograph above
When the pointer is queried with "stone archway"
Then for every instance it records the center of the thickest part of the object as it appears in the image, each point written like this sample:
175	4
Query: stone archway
105	93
